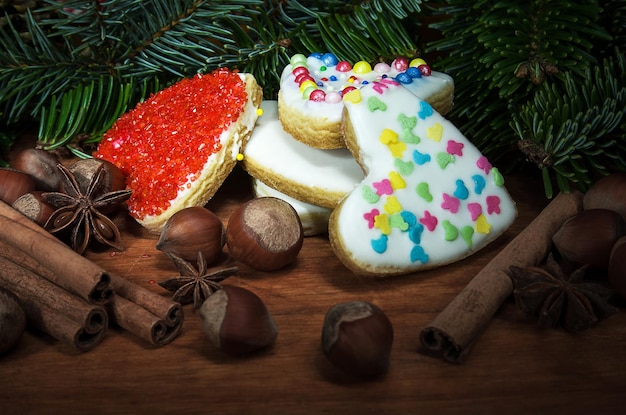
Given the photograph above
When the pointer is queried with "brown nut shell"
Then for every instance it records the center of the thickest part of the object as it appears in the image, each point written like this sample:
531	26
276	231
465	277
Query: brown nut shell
265	234
617	267
33	206
608	193
237	321
12	320
588	237
13	184
357	338
85	169
41	165
192	230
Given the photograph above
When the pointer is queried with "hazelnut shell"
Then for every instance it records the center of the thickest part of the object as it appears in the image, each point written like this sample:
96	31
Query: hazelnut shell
41	165
608	192
192	230
12	320
357	338
588	237
33	206
617	267
14	183
265	234
237	321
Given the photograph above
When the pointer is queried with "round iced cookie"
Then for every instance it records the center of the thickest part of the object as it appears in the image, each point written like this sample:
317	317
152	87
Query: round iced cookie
429	197
314	218
311	91
315	176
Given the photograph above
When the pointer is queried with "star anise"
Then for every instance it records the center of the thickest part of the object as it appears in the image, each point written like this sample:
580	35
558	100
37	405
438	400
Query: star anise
78	210
195	285
547	294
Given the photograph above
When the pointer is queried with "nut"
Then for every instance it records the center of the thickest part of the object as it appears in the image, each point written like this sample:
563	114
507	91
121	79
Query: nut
617	267
357	338
588	237
33	206
41	165
265	234
12	320
608	193
192	230
13	184
237	321
84	169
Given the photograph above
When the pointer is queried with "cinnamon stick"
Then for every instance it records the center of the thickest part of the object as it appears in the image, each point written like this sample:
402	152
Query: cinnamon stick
52	310
455	329
69	269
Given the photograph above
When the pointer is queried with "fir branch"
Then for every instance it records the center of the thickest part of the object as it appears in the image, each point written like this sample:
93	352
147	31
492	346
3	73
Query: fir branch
576	132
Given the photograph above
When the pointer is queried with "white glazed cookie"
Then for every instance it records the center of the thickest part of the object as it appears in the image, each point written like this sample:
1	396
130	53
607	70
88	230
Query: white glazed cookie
318	177
314	218
429	197
312	87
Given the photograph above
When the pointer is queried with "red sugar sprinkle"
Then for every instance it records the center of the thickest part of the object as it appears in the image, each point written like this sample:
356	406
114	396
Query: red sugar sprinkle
171	135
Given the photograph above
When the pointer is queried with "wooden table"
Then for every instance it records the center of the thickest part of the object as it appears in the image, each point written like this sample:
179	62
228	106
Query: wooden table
514	367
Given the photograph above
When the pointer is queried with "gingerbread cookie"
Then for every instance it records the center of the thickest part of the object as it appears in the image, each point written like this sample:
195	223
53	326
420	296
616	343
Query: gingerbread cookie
429	197
318	177
311	91
177	147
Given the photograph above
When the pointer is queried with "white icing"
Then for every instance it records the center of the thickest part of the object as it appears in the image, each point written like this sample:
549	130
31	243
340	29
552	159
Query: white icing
293	97
279	154
352	228
314	218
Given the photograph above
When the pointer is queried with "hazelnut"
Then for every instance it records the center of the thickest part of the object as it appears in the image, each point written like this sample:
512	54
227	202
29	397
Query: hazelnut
265	234
237	321
84	170
608	193
192	230
13	184
41	165
33	206
588	237
357	338
617	267
12	320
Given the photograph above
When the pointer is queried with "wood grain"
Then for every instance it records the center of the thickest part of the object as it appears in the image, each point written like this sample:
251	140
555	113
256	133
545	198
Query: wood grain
514	367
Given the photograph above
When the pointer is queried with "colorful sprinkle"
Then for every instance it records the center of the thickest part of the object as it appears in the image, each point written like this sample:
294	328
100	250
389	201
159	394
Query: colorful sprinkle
425	110
483	164
443	159
397	182
420	158
382	222
418	254
369	194
392	205
493	205
475	210
380	245
397	221
374	104
415	233
479	183
482	226
450	203
429	221
461	190
467	232
423	190
498	179
404	167
409	218
369	217
435	132
383	187
454	147
388	136
451	232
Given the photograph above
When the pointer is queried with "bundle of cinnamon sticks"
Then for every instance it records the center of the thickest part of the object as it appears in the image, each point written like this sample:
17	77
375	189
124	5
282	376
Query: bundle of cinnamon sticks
71	298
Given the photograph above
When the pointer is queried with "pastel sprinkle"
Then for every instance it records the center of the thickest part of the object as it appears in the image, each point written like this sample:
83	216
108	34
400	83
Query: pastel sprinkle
353	96
493	205
423	190
443	159
475	210
406	122
435	132
380	245
397	221
383	187
409	218
388	136
461	191
483	164
392	205
418	254
397	149
420	158
382	222
454	147
498	179
404	167
425	110
429	221
466	233
415	233
479	183
451	231
450	203
369	217
369	194
482	226
373	103
407	136
397	182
